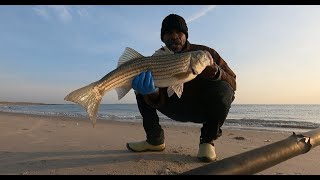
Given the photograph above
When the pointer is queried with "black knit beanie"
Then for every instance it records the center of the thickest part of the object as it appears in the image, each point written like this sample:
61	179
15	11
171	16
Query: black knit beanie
174	21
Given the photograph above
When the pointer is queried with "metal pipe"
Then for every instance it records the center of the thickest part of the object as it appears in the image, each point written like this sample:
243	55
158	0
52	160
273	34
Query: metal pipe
262	158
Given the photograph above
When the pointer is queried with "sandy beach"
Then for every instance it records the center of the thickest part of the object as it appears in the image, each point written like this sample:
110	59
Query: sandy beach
51	145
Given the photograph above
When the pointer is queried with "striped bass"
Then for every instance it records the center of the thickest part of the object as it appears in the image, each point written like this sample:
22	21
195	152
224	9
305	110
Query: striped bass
168	70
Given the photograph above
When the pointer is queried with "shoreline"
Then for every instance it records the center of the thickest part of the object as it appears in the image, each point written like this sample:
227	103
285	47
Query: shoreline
21	103
57	145
168	123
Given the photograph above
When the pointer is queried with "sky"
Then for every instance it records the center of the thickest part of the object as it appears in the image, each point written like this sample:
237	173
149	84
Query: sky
48	51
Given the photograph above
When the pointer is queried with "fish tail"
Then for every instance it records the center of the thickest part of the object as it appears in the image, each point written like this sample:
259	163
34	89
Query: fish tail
88	97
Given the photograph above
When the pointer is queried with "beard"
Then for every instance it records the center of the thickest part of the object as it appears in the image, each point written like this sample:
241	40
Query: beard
175	45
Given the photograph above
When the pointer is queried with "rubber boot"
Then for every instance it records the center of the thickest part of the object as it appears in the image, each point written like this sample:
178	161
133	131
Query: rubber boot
143	146
207	152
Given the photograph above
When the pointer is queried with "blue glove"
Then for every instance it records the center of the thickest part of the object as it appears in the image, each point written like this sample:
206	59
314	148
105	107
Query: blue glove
143	83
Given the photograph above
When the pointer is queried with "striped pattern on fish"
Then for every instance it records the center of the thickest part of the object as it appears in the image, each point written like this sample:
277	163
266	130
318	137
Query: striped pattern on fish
168	70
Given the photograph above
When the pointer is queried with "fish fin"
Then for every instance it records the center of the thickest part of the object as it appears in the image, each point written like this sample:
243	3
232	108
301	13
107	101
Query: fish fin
128	55
163	51
177	88
122	91
89	98
170	91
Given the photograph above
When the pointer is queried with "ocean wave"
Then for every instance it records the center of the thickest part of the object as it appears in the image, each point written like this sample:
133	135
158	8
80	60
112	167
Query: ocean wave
271	123
289	123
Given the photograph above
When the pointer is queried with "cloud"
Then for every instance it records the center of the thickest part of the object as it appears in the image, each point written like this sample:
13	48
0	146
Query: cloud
201	13
62	12
41	11
82	12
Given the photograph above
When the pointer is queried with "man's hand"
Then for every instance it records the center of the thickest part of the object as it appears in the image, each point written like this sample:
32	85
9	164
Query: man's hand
144	84
212	70
210	57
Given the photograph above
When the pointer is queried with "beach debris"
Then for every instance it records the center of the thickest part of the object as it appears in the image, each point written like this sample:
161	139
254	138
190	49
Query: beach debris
262	158
267	140
89	169
239	138
168	70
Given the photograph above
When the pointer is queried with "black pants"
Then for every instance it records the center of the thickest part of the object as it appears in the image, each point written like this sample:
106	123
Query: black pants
209	104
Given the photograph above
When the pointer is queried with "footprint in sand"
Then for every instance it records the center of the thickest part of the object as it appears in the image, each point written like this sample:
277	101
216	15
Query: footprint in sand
239	138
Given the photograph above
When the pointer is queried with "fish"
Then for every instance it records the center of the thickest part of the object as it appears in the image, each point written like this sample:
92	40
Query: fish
168	70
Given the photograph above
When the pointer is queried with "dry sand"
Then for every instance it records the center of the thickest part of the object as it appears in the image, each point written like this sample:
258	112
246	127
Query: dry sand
32	144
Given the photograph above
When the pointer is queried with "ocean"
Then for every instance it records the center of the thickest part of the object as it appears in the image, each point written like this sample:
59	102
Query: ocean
248	116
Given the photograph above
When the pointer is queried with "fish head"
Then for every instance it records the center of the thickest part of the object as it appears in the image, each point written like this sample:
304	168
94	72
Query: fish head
199	61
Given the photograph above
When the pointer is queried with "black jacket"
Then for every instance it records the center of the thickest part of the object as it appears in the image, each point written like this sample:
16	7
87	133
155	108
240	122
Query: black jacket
225	73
